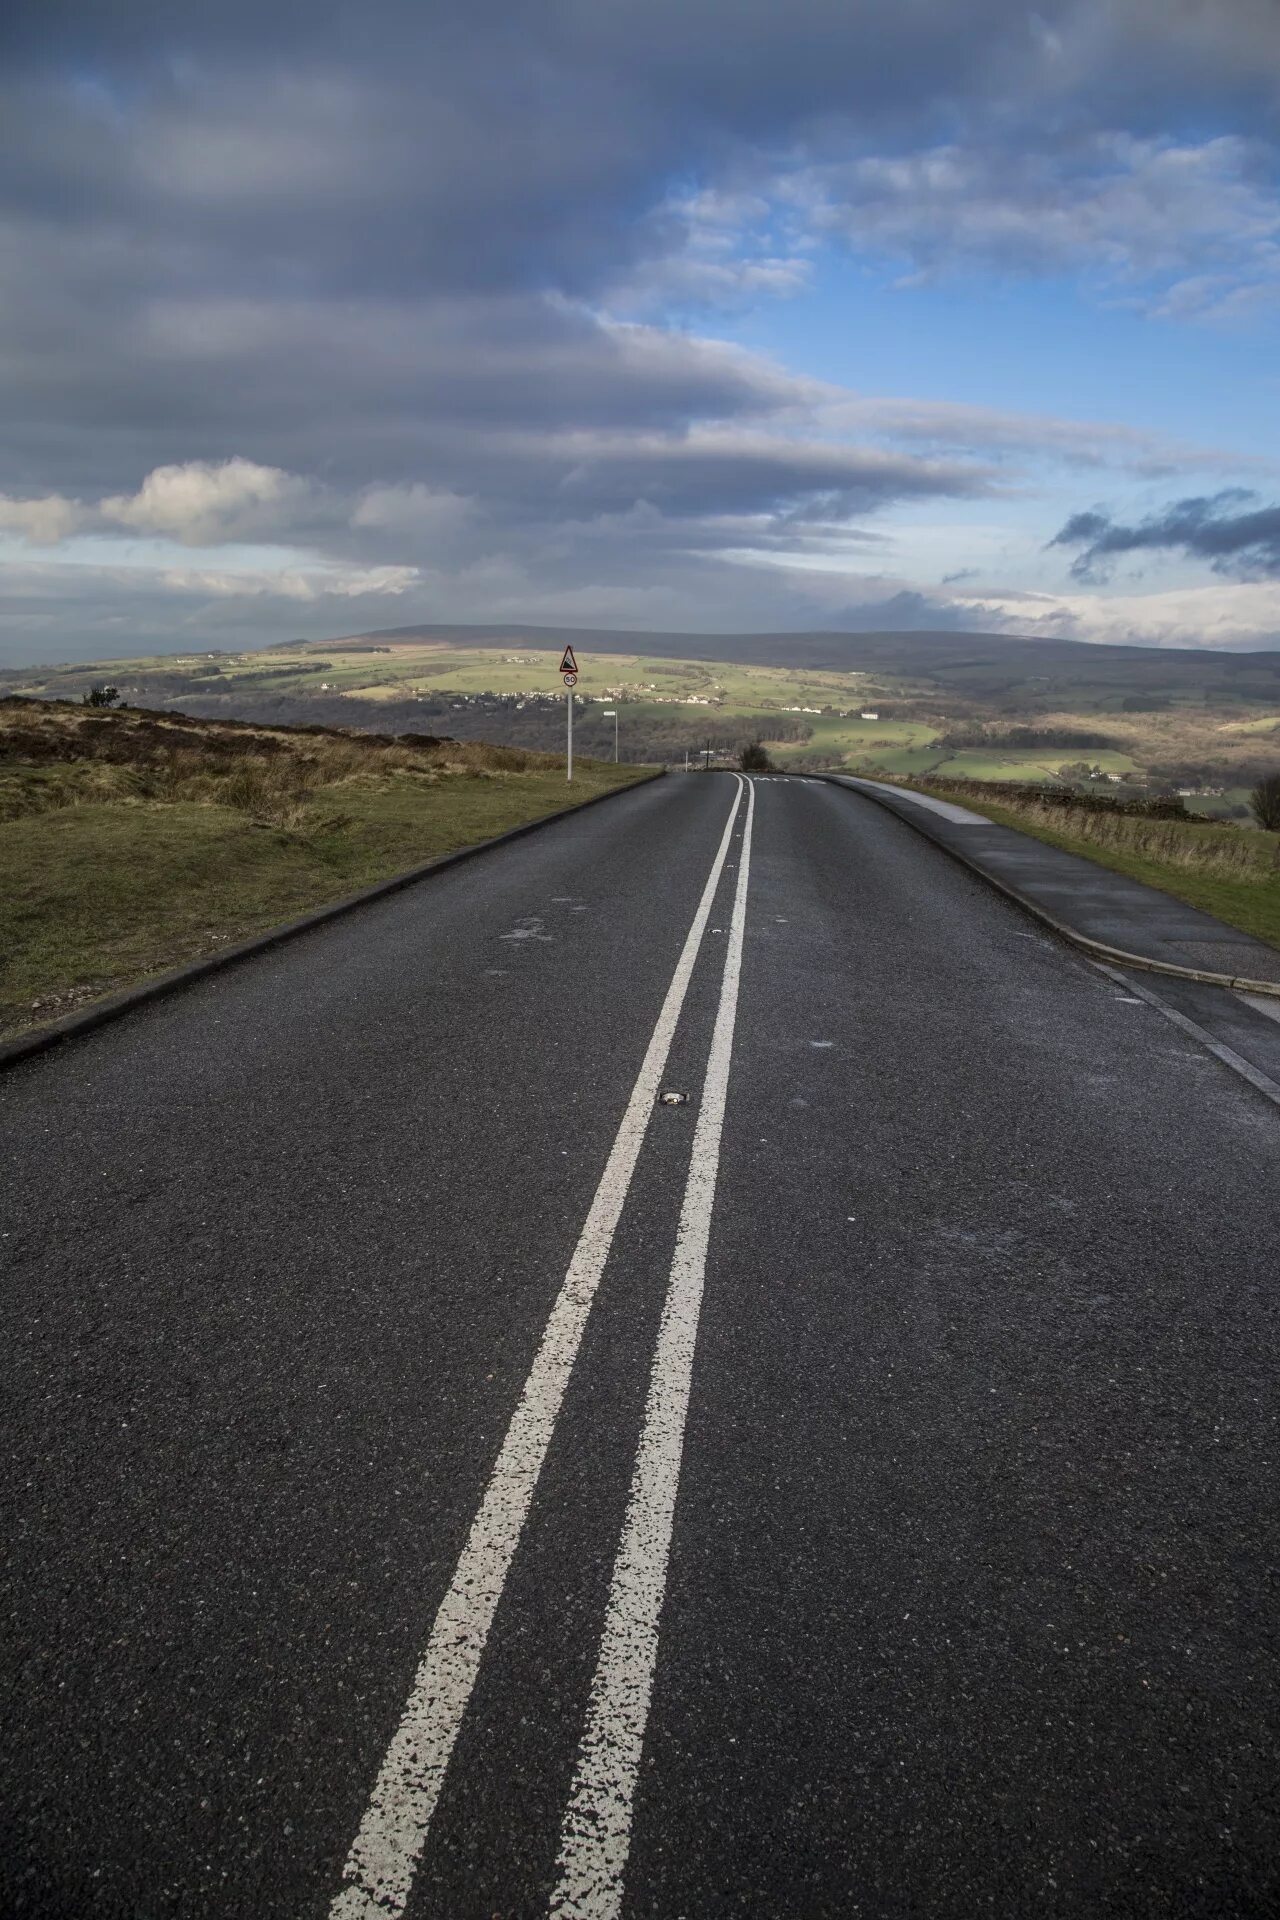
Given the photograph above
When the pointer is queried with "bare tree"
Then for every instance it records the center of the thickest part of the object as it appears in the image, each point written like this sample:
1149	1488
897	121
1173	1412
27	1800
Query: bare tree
1264	802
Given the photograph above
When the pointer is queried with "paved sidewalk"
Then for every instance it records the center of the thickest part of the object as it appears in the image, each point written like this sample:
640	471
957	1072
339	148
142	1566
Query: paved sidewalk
1080	895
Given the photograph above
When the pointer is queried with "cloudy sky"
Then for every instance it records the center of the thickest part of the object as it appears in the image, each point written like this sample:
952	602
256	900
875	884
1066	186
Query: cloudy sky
683	314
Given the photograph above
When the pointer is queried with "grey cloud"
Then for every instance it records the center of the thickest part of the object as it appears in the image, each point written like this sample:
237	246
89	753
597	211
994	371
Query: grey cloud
356	388
528	143
85	612
370	248
745	472
550	494
1222	528
513	145
106	613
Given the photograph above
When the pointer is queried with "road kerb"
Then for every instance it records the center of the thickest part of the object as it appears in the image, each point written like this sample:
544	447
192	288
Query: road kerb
24	1045
1119	956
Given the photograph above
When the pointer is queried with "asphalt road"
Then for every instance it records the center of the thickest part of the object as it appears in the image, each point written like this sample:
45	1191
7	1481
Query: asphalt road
442	1478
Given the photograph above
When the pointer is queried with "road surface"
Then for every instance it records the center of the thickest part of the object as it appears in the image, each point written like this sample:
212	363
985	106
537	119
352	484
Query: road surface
445	1478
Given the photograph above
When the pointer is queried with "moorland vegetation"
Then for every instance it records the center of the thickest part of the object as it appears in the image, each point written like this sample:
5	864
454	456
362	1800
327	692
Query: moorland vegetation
133	840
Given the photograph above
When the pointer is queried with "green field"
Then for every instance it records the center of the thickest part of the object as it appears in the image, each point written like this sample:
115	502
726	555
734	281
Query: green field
857	739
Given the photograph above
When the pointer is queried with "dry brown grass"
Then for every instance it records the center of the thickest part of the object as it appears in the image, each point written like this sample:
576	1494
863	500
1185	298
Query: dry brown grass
1190	845
54	754
1230	852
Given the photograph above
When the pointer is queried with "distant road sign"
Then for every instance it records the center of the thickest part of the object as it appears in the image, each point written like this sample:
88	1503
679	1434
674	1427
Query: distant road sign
571	679
568	664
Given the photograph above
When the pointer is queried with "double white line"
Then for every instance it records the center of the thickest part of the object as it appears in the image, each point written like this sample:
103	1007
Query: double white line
597	1828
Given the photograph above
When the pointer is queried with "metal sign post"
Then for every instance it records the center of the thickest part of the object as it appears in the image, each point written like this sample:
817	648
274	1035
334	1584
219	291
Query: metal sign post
569	671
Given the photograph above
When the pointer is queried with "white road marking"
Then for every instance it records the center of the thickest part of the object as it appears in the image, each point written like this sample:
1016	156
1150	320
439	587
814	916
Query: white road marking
380	1866
1228	1055
958	816
1261	1004
595	1837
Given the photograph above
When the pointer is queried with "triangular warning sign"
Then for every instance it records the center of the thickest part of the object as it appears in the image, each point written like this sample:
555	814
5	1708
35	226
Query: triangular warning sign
568	664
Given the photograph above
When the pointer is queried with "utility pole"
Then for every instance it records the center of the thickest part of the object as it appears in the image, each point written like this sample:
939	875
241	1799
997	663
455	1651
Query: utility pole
707	768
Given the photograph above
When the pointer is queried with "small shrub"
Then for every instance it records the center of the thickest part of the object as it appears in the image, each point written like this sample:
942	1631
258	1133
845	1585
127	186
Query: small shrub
1159	806
754	759
273	795
102	697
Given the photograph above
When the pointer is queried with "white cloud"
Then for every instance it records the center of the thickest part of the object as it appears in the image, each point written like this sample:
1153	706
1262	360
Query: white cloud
1228	616
1037	436
205	503
319	583
44	522
1195	225
728	248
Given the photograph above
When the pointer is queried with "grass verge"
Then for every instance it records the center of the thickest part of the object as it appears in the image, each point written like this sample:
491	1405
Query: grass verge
130	848
1230	872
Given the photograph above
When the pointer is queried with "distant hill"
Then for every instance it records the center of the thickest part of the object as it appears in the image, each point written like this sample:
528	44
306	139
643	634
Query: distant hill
979	665
969	705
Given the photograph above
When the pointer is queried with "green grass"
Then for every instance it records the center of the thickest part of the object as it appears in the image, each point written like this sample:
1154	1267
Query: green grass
1248	898
900	760
977	765
102	884
1044	765
1222	804
858	742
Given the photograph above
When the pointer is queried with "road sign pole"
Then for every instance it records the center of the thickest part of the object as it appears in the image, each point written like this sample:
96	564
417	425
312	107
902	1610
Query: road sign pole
569	669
